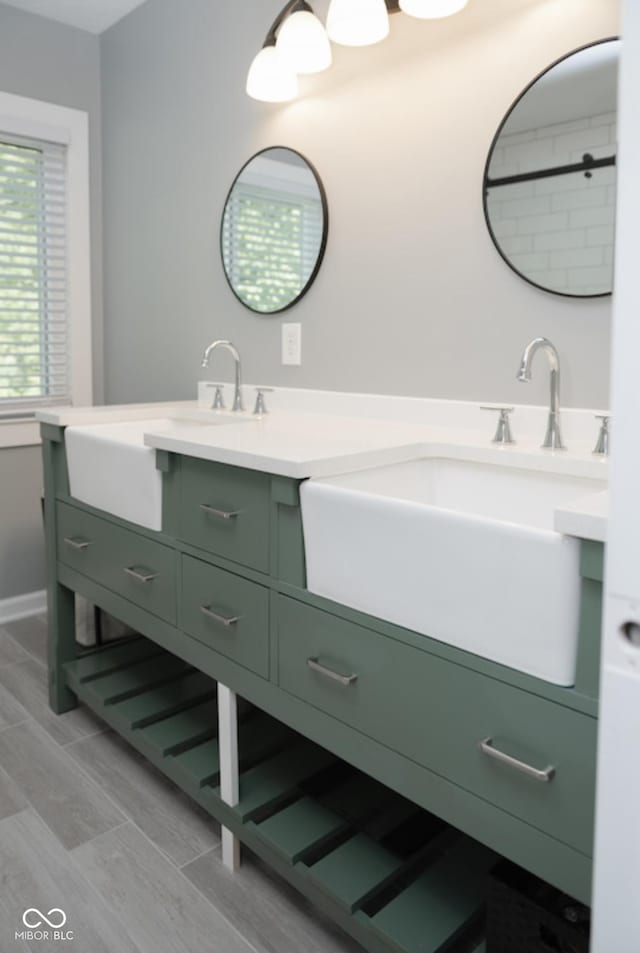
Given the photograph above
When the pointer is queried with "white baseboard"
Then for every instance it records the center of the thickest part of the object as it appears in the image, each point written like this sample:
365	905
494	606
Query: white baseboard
20	607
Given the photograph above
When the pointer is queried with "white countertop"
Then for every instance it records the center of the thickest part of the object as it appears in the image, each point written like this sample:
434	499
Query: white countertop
315	444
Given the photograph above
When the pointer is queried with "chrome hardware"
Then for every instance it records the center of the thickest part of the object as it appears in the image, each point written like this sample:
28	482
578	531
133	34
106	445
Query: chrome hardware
503	433
218	397
226	620
552	437
261	408
544	775
220	514
141	576
345	680
604	437
78	544
228	346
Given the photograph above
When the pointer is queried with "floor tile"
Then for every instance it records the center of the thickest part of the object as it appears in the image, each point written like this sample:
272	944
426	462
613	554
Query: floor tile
11	798
10	650
265	909
31	636
160	909
37	872
167	816
27	682
56	788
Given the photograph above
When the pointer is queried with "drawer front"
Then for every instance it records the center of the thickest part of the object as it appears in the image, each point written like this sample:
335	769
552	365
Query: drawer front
136	567
225	510
439	714
227	613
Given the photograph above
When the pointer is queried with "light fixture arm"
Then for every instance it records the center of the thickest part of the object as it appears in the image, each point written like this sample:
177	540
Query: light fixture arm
293	6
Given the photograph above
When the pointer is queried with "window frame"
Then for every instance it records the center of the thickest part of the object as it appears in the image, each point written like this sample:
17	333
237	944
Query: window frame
34	119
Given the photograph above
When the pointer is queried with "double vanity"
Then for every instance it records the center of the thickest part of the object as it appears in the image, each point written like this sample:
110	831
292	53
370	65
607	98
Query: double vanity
407	614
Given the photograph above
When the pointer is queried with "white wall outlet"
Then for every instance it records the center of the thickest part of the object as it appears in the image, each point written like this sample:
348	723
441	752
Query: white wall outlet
292	344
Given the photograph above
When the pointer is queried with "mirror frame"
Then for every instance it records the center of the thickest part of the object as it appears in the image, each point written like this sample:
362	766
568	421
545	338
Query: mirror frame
485	176
323	243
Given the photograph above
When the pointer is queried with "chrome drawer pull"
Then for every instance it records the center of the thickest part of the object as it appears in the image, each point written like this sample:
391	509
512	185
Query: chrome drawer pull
79	544
226	620
544	775
141	576
345	680
220	514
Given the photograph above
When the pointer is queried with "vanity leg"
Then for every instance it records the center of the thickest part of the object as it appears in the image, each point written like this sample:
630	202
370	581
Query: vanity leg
229	773
60	600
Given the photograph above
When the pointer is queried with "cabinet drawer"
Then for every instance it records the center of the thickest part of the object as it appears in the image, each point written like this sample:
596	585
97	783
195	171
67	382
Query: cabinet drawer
438	714
136	567
225	510
227	613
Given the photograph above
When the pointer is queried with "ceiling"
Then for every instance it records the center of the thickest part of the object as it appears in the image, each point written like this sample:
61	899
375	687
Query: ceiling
92	15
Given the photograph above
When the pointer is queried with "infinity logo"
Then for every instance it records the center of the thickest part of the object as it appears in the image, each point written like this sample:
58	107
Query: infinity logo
54	924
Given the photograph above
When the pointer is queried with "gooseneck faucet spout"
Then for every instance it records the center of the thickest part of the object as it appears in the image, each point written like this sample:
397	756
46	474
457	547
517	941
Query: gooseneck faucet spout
553	438
228	346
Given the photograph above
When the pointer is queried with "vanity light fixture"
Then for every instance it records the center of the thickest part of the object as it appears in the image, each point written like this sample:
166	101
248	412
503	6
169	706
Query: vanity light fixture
297	42
358	22
432	9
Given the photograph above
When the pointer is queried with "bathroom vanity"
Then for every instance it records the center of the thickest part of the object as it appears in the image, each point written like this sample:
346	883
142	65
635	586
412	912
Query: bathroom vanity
381	770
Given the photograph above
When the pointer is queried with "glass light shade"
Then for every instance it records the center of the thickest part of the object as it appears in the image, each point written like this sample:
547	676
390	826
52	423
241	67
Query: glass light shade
271	78
303	42
357	22
432	9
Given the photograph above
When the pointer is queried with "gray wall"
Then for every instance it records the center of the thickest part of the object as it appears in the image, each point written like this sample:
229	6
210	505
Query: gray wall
412	297
45	60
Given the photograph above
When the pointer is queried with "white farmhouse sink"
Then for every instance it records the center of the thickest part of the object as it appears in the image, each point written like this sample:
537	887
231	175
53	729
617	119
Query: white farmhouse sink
111	468
462	552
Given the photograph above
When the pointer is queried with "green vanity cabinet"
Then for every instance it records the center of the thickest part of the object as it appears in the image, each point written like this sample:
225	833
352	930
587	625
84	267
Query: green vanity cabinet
222	588
227	613
437	714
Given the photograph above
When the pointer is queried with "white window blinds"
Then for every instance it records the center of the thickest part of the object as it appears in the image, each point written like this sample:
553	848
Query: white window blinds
271	236
34	345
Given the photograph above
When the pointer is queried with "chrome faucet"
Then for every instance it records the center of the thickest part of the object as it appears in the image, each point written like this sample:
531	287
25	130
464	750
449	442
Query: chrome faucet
228	346
552	439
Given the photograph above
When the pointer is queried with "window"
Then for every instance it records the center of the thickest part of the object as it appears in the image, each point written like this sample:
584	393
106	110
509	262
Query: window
45	311
272	231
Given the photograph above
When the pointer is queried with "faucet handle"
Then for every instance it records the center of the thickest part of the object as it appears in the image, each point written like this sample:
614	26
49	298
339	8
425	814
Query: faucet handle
503	433
261	408
604	436
218	397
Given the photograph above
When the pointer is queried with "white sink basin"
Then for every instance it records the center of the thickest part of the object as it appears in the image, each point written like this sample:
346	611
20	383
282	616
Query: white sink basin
110	467
462	552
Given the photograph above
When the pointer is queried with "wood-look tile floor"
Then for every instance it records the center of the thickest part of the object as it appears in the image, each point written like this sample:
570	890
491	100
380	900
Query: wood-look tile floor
90	827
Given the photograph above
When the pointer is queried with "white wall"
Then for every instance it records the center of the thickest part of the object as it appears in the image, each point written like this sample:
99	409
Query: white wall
412	297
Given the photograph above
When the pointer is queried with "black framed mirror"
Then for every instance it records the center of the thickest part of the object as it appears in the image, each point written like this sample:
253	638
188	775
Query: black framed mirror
549	187
274	230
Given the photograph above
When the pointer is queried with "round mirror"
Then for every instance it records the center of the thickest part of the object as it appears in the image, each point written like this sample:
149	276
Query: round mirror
274	230
550	179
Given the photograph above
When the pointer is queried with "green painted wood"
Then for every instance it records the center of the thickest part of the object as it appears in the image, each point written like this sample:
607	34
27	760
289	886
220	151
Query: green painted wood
112	659
163	461
200	765
359	798
301	827
136	679
111	550
230	596
60	600
171	482
592	560
52	433
288	556
445	712
243	539
427	915
271	783
184	730
588	661
355	870
285	490
567	697
545	856
168	699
